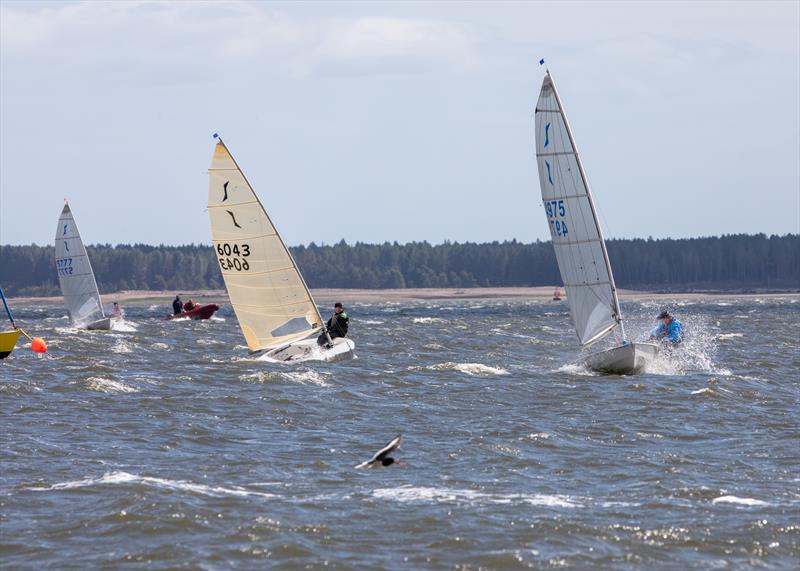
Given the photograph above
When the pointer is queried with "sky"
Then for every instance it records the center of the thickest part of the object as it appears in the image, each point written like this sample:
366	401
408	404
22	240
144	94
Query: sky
396	121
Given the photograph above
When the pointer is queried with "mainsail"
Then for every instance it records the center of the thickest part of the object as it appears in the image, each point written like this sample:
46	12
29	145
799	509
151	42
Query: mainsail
267	292
75	272
577	238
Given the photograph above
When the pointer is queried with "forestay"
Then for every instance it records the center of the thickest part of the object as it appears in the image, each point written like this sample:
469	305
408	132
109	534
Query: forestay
75	272
267	292
575	230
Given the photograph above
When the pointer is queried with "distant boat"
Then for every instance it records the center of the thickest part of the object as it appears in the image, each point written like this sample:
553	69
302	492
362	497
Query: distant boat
199	312
78	286
578	241
272	303
556	294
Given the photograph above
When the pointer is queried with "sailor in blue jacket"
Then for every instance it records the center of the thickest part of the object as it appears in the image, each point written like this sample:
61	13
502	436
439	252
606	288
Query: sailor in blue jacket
668	329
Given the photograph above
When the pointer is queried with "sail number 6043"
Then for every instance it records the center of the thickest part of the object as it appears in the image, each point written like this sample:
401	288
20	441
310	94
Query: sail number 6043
232	257
556	212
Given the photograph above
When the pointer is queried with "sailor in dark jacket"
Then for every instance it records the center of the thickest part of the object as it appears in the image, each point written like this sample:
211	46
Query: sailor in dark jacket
177	305
337	325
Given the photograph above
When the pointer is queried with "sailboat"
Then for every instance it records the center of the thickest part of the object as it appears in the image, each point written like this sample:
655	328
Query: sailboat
273	305
76	277
8	339
578	241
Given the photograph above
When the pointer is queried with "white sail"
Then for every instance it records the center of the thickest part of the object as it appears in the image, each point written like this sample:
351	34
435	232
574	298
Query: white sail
575	230
75	273
267	292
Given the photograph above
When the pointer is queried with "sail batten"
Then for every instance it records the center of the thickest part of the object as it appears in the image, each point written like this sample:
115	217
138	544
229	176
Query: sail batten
269	296
576	234
75	275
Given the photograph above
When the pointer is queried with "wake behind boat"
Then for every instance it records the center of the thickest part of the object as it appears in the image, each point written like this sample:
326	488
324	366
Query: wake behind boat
272	303
75	275
578	241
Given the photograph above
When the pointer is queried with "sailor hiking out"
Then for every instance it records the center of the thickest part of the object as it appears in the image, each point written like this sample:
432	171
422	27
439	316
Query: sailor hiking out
337	325
669	329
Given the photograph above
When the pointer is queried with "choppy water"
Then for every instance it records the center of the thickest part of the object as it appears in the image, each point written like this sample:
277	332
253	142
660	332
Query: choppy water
169	447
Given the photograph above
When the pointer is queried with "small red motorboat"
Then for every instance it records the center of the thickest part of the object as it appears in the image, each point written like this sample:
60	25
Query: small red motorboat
199	312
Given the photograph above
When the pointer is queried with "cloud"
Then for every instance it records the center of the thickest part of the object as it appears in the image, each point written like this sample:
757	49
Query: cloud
190	39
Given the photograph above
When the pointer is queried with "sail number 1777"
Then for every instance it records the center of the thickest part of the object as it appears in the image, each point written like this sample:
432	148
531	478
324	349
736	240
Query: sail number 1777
556	214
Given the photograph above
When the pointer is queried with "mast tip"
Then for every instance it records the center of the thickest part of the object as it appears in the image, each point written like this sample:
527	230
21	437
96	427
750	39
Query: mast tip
216	135
541	61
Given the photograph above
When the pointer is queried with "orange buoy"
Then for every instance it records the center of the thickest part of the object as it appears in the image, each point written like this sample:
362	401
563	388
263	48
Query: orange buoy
38	345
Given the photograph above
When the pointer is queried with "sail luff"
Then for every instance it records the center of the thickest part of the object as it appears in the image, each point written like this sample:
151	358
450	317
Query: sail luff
590	198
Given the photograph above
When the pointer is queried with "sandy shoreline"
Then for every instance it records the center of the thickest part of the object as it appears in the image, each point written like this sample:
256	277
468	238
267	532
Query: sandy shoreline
409	294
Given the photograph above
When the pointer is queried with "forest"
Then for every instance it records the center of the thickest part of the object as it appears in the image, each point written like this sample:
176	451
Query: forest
728	263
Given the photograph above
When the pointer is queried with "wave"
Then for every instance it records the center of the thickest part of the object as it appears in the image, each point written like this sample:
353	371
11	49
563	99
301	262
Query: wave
738	501
575	369
309	377
119	477
102	385
451	495
121	347
729	335
703	391
468	368
427	320
124	326
371	322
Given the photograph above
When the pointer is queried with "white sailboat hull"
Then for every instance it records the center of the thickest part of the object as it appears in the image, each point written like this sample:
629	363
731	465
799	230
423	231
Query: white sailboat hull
100	325
623	360
309	350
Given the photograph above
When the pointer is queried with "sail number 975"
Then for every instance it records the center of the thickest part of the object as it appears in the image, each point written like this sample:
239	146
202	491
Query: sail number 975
556	212
233	257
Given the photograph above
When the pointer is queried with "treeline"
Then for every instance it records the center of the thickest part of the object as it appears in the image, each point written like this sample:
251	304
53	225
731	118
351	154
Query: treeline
735	262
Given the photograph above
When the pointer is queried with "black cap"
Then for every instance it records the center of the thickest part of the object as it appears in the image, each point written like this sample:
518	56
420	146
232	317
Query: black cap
664	315
337	304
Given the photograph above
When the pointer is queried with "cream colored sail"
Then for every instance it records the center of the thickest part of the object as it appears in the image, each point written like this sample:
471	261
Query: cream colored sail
574	228
75	273
267	292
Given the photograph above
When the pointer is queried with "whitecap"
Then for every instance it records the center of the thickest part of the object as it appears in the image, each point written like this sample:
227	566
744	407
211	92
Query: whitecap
702	391
107	385
309	377
738	501
451	495
123	325
469	368
575	369
371	322
729	335
121	347
119	477
427	320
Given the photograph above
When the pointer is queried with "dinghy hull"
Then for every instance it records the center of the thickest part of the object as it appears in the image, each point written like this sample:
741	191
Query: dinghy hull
8	340
623	360
310	350
202	312
100	325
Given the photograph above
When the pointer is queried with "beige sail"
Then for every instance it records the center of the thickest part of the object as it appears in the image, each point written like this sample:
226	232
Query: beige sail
267	292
